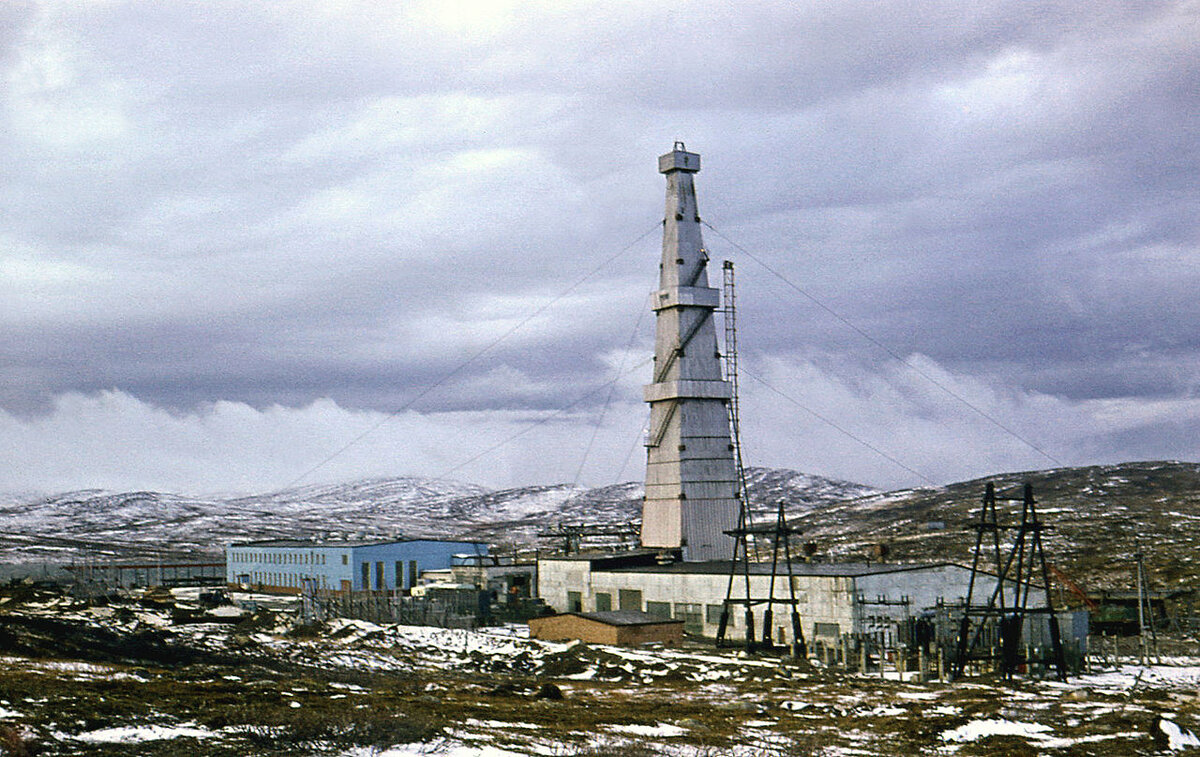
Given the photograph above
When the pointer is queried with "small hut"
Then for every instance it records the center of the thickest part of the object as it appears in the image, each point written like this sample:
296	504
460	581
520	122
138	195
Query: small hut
626	628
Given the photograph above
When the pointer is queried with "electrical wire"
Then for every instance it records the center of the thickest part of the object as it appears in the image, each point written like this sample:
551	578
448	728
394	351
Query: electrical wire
612	387
462	365
629	455
540	421
837	427
919	371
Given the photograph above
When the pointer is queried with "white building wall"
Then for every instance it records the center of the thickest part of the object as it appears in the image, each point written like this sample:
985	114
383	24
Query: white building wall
555	578
821	599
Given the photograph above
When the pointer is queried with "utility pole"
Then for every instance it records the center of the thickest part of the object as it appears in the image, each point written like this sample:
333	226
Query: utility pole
1145	610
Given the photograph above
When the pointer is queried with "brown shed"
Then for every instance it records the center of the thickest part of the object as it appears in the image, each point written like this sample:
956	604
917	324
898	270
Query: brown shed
620	627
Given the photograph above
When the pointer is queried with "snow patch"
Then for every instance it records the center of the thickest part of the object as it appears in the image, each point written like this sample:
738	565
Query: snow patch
978	729
138	734
446	749
662	729
1177	738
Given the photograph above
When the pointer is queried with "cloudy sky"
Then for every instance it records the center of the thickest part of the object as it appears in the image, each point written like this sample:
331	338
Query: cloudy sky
245	244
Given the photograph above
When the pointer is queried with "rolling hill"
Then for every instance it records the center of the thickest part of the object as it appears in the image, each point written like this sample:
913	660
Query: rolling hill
1099	515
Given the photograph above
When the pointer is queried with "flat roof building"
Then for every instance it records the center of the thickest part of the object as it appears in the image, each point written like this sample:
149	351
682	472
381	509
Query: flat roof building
625	628
284	565
832	598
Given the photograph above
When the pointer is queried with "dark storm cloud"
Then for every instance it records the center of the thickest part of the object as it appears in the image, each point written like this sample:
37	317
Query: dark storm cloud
273	204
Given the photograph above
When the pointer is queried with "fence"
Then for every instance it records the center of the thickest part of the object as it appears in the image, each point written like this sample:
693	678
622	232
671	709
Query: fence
458	608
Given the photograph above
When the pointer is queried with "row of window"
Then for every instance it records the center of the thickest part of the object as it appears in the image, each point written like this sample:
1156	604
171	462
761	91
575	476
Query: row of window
293	580
631	599
283	558
693	614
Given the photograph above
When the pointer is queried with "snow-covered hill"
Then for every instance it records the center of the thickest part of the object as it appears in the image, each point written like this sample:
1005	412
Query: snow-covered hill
95	524
1099	515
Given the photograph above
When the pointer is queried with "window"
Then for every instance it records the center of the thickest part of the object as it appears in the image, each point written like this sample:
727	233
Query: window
379	576
659	609
603	602
629	599
413	573
365	569
712	614
826	629
692	616
345	559
574	601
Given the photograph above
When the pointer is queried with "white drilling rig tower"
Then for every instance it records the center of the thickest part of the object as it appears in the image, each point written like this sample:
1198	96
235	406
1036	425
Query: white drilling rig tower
691	477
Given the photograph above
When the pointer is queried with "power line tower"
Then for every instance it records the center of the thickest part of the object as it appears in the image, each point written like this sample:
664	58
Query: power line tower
1025	561
780	535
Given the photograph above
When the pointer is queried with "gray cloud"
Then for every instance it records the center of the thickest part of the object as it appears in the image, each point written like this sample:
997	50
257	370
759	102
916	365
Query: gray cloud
280	204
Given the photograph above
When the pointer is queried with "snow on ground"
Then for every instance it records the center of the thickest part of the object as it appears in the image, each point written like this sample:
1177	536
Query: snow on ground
795	697
661	730
1036	734
443	749
978	729
138	734
1178	673
1178	738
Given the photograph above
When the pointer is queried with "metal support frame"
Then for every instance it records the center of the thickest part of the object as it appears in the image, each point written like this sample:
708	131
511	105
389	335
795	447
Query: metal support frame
572	536
1025	562
780	534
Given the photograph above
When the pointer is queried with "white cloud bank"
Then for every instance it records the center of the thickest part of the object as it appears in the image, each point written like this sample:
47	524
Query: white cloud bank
114	440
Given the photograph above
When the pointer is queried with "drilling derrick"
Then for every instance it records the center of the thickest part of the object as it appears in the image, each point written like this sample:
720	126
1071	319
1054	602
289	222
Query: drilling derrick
691	480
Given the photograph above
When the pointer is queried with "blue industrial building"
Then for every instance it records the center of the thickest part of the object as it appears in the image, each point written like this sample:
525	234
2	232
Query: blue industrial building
283	565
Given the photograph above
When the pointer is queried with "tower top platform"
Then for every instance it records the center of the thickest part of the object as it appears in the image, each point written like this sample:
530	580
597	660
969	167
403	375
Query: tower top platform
679	159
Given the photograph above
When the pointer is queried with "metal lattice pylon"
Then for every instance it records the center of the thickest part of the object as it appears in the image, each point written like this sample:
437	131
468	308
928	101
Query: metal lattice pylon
1025	561
780	534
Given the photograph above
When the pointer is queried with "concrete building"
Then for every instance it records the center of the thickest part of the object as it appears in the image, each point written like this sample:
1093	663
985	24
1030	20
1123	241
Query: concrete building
833	599
691	481
283	565
504	575
626	628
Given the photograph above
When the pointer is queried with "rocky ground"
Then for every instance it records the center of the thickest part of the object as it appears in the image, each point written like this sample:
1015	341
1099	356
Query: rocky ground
122	679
